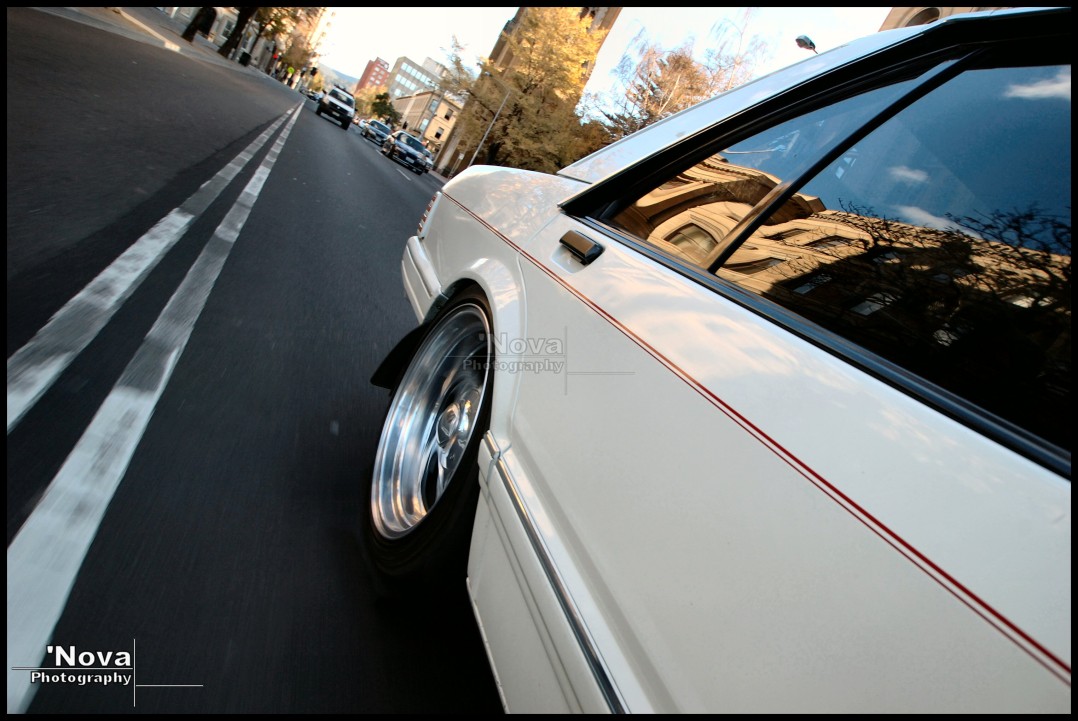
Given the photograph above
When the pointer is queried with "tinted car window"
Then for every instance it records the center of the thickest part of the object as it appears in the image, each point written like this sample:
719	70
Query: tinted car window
412	142
692	212
338	95
941	242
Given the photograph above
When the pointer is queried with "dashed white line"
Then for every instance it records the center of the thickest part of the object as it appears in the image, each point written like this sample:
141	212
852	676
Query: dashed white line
45	556
36	366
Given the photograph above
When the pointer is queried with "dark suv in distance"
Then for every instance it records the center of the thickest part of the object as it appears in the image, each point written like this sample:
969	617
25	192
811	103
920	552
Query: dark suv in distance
407	150
338	104
376	131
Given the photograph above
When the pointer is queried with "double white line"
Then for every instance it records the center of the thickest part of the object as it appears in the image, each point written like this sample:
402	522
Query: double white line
47	552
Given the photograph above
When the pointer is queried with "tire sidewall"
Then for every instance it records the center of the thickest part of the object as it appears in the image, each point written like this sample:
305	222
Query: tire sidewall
434	554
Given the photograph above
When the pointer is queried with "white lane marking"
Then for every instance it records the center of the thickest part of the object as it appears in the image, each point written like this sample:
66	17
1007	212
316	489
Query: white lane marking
46	554
407	177
35	367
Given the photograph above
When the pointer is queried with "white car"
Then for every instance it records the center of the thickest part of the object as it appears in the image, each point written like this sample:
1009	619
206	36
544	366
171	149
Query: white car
338	104
765	408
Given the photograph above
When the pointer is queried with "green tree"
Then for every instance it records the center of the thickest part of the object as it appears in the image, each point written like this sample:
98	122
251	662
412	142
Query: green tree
278	23
275	22
298	54
383	108
365	98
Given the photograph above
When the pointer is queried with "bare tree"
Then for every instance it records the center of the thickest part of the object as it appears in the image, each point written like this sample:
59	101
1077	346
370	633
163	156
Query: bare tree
732	54
659	82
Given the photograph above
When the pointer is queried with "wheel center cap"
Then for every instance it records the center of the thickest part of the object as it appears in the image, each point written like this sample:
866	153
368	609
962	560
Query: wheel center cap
448	424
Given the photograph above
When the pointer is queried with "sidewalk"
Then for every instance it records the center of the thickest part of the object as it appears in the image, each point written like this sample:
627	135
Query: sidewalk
152	26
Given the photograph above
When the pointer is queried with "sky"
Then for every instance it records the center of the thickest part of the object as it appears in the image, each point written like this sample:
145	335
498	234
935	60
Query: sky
359	35
362	34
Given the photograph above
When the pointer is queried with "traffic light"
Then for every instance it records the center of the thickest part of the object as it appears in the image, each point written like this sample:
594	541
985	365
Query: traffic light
314	71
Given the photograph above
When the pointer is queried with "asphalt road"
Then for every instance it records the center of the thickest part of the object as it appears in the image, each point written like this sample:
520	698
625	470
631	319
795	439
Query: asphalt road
228	553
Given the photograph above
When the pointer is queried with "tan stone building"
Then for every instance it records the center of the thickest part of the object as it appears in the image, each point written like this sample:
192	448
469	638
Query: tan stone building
501	56
429	116
906	17
453	159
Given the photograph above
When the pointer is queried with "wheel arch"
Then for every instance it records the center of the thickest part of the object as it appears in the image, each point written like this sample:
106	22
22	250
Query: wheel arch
498	278
389	370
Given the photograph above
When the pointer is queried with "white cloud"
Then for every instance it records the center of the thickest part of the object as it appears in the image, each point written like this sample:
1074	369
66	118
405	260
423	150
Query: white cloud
919	216
1057	87
361	34
908	175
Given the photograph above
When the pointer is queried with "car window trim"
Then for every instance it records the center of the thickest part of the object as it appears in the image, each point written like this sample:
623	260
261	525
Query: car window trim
774	200
595	205
606	198
948	40
955	407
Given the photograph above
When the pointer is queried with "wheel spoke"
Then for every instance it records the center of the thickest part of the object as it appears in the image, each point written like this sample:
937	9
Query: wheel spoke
431	421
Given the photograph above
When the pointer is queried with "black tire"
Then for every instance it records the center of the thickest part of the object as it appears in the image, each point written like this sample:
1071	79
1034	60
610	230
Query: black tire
318	111
345	124
424	546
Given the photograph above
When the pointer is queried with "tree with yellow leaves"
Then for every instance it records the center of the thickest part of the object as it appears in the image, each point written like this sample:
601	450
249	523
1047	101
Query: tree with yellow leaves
534	98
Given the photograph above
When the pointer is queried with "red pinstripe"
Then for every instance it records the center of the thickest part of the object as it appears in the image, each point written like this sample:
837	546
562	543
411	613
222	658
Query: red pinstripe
1055	665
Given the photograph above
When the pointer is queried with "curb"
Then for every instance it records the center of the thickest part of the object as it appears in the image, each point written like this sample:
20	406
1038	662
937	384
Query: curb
145	28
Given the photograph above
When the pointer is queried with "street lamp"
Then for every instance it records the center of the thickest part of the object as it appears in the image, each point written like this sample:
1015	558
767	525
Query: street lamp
805	43
494	120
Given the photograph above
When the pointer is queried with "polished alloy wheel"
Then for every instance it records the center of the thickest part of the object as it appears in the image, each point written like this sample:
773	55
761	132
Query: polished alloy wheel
431	421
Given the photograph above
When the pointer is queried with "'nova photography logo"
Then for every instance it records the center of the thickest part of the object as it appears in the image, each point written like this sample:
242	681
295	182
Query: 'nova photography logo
522	355
539	355
69	665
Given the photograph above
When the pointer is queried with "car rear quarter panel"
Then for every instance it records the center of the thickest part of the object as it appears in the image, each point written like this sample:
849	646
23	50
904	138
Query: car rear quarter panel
463	247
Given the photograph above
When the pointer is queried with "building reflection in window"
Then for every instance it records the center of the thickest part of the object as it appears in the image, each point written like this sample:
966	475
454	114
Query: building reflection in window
940	242
935	246
713	195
